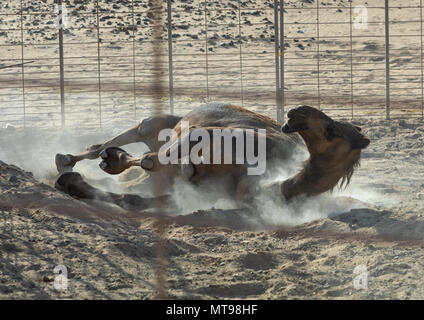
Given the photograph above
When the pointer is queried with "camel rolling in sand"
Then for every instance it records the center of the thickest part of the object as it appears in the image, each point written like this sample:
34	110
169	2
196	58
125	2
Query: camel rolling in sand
334	149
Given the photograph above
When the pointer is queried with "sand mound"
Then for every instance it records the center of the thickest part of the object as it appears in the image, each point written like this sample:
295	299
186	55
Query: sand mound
19	189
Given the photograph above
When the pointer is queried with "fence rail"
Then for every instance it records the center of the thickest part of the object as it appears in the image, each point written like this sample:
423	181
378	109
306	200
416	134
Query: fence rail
91	64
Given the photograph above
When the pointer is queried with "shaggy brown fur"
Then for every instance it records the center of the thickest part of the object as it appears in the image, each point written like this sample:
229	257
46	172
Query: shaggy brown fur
334	148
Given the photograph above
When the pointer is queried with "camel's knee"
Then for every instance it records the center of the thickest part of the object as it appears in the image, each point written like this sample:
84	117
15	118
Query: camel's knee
92	152
149	129
94	147
150	162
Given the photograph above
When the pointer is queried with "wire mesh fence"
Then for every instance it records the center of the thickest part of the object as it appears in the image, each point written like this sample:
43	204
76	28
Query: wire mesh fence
355	58
89	63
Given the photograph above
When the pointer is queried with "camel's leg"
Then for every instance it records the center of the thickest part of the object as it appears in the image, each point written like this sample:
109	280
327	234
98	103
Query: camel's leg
73	184
116	160
66	162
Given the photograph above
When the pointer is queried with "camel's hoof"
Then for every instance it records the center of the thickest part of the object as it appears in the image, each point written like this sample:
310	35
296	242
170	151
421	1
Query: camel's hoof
103	165
114	160
103	155
64	163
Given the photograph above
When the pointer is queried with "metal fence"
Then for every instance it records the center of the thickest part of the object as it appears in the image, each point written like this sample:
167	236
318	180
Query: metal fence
91	65
354	58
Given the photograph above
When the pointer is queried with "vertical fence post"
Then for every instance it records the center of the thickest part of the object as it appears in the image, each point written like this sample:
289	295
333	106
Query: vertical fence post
241	56
278	95
351	58
318	60
421	59
98	63
206	49
170	59
134	62
156	10
61	64
277	60
23	62
386	22
282	61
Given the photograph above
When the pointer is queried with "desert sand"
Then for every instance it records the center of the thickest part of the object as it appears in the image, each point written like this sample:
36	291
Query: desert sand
306	250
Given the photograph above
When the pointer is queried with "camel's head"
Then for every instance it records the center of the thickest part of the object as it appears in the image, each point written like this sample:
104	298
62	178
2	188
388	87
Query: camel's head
323	134
334	146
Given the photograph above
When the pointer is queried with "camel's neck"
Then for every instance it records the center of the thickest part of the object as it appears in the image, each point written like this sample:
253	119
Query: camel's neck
317	176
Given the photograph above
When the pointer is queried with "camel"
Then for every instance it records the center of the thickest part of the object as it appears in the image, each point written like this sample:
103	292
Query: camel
334	152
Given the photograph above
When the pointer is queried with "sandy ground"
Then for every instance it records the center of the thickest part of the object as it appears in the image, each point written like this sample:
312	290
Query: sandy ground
303	252
306	250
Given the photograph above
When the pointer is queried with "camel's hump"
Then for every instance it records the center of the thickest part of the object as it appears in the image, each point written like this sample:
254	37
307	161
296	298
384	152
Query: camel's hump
227	115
